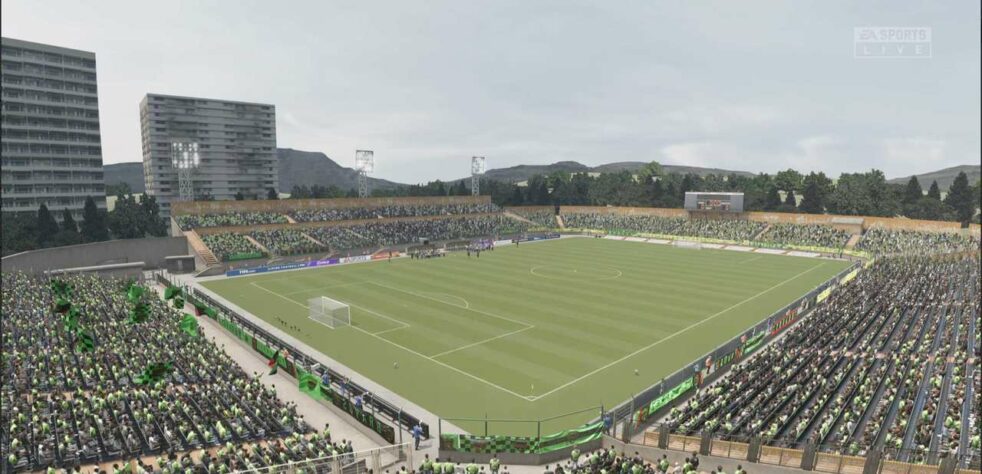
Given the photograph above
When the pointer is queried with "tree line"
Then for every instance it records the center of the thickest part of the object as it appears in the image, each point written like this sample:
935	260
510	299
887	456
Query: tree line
863	194
128	220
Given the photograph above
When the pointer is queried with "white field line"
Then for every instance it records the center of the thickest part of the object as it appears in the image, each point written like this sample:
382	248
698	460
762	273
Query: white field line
455	369
467	304
670	336
281	295
523	323
468	346
751	259
322	287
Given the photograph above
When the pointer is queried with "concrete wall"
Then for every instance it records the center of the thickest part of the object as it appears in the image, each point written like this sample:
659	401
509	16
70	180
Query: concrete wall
151	251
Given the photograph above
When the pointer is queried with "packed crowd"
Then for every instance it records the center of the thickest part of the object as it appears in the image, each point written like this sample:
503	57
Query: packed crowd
881	364
227	219
725	229
541	217
67	407
811	235
286	241
228	245
378	234
888	241
601	461
413	210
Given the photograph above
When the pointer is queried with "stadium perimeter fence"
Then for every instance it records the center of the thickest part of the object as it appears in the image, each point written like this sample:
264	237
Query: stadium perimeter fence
385	459
341	391
828	458
524	436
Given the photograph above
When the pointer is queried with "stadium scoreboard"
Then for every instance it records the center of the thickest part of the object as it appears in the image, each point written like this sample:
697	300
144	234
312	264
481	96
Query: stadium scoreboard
708	201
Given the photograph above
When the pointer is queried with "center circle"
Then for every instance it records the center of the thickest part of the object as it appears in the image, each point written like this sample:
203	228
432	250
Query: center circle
576	273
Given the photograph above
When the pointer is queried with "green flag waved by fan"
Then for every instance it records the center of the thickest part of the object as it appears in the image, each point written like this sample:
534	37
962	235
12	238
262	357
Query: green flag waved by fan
189	325
179	303
154	373
71	320
272	362
171	292
62	305
84	342
60	288
134	293
140	313
311	385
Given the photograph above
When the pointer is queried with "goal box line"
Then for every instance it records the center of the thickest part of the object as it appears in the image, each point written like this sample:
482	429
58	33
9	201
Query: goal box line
329	312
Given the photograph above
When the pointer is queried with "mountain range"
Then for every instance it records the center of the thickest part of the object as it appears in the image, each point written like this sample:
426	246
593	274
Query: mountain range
305	168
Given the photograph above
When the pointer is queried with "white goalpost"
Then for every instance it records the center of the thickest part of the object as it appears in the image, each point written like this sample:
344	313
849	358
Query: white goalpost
331	313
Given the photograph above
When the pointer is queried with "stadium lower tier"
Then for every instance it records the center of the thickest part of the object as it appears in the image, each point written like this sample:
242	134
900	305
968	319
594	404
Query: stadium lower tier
890	361
99	373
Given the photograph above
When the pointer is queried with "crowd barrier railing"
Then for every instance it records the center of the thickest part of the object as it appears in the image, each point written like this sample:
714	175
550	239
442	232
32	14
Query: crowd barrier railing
385	459
341	391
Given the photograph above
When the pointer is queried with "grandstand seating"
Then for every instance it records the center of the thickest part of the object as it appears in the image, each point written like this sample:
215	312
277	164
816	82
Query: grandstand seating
727	229
881	364
228	219
62	407
327	214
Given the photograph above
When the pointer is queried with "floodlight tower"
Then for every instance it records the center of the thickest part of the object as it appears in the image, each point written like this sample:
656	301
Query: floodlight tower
478	166
364	164
184	157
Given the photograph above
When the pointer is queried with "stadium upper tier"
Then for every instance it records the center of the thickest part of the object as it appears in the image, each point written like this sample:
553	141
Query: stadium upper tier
885	362
63	406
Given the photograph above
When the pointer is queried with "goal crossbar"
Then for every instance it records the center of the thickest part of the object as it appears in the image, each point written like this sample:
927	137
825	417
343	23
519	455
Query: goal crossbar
329	312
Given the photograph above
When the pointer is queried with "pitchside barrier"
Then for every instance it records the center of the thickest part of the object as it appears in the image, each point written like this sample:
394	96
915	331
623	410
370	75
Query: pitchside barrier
513	441
385	459
652	403
339	391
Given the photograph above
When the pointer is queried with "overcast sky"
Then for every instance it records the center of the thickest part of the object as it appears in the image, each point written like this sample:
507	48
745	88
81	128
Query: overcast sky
747	85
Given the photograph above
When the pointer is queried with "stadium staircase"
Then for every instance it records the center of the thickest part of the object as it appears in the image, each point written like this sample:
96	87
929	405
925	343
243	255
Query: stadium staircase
290	219
200	248
319	244
559	220
853	241
762	232
257	244
517	217
356	234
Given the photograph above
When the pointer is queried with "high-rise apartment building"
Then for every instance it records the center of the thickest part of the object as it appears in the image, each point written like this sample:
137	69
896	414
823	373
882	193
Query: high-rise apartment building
198	149
52	152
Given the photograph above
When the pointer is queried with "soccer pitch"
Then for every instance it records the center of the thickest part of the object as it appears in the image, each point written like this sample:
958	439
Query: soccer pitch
535	330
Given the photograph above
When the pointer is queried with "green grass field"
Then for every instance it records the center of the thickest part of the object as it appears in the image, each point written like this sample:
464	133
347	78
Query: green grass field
535	330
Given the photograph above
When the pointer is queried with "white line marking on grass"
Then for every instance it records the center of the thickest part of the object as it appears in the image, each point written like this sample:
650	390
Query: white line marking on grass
389	330
323	288
468	346
403	323
670	336
455	369
444	302
750	259
467	304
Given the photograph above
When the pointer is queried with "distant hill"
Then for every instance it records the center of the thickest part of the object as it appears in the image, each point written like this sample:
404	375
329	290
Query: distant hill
306	168
128	173
516	174
295	167
944	177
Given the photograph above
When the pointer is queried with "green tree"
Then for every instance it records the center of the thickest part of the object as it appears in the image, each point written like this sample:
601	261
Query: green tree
153	223
47	227
94	227
788	180
961	199
773	200
913	193
790	203
649	171
19	232
934	192
68	221
127	221
271	194
239	196
929	209
817	188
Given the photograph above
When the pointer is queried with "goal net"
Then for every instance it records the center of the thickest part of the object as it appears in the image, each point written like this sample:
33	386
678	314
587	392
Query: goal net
686	244
331	313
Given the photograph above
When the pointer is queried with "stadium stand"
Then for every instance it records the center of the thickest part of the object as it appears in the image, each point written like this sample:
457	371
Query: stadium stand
286	241
228	219
541	217
724	229
406	210
890	241
879	365
811	235
65	407
375	234
228	245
